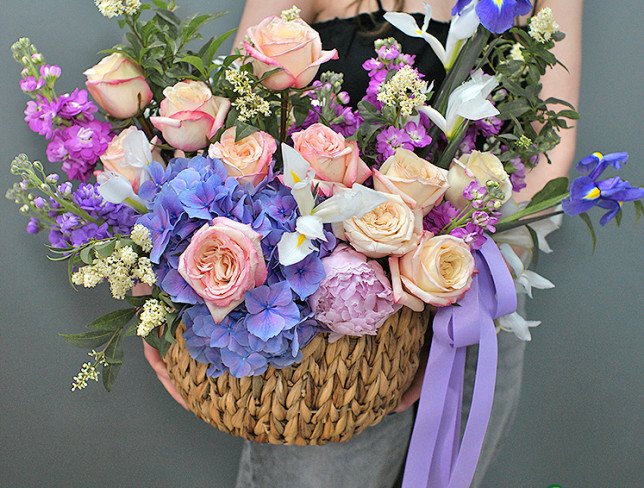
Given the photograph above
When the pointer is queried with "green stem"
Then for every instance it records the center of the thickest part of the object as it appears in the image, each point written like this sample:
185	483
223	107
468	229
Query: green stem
283	115
146	126
454	143
138	206
533	209
519	223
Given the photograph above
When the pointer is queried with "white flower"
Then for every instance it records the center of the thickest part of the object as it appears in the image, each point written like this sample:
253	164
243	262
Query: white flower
468	101
462	27
350	202
114	8
115	188
524	279
518	325
140	235
516	53
153	315
405	90
543	26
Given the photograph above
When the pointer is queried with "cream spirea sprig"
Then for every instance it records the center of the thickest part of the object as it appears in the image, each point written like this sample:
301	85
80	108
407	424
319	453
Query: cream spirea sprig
291	14
141	237
405	90
152	316
88	371
543	26
516	53
114	8
249	104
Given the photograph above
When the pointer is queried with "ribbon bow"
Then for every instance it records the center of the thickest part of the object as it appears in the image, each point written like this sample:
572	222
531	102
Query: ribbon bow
436	458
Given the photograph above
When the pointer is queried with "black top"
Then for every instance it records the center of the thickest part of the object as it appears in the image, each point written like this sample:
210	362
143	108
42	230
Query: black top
353	37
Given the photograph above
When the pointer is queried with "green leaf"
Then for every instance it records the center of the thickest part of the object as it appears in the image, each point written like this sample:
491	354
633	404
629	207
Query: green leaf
110	372
569	114
114	350
86	255
553	189
639	209
113	321
243	130
138	301
88	340
106	249
618	218
196	62
215	44
589	223
535	240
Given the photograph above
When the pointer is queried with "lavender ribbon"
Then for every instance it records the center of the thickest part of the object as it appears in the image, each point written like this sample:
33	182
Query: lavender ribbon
436	458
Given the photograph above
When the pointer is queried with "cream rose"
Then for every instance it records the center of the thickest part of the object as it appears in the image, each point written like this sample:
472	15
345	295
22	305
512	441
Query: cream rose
332	157
190	115
247	159
129	155
291	45
479	166
392	228
118	85
416	180
439	272
223	261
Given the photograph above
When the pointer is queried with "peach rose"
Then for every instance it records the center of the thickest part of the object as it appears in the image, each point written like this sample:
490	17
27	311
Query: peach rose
416	180
222	262
439	272
118	85
247	159
291	45
479	166
190	115
128	155
392	228
332	157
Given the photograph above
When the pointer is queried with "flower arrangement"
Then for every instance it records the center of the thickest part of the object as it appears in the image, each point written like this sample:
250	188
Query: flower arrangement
260	209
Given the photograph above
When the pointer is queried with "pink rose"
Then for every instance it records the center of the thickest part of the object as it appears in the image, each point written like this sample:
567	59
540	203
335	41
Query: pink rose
355	298
332	157
417	181
247	159
438	272
291	45
222	262
118	85
190	115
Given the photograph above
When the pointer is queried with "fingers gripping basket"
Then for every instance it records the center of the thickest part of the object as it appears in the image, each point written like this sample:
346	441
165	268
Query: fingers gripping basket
336	391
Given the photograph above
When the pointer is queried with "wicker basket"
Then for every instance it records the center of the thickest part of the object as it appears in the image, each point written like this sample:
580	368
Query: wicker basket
336	391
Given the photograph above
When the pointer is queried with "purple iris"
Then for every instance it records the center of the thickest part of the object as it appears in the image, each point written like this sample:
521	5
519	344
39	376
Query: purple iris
610	194
497	16
305	277
271	310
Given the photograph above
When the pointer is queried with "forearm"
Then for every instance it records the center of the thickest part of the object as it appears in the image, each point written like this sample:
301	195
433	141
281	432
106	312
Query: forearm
563	84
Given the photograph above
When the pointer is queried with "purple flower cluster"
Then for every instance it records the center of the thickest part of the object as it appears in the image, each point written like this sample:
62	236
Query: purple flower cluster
389	57
274	322
440	217
484	128
413	136
76	139
72	230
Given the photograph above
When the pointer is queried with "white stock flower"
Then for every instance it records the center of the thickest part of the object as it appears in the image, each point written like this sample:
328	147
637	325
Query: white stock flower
468	101
462	27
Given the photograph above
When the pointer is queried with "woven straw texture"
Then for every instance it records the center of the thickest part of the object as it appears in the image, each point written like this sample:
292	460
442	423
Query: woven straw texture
336	391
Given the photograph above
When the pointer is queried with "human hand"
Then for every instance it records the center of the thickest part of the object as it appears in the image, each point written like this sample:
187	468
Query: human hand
412	394
154	358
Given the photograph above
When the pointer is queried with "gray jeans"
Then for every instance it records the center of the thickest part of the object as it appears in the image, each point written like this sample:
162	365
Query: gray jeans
374	459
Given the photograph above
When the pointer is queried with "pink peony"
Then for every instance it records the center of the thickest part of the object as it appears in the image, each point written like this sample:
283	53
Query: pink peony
355	298
222	262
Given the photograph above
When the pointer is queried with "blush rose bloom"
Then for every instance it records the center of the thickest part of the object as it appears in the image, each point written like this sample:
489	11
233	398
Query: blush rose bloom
117	83
129	155
247	159
190	115
479	166
291	45
333	158
417	181
355	298
223	261
392	228
439	272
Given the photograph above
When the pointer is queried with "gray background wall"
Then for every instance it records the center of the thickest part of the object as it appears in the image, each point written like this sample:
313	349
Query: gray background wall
579	423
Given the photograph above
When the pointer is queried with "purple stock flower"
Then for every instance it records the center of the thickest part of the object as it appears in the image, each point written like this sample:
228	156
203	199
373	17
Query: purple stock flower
30	84
40	115
440	217
48	71
517	176
472	234
391	139
417	134
77	105
39	202
33	226
271	310
490	126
